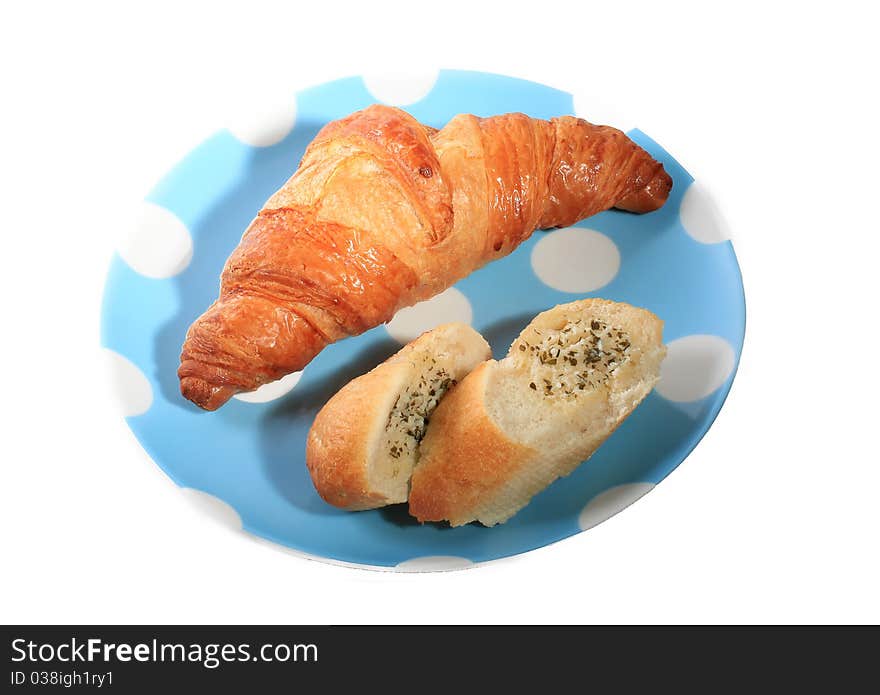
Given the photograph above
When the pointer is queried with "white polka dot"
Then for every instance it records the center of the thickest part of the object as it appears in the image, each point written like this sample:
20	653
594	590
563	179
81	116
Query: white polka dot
214	507
266	124
434	563
400	89
608	503
695	366
272	390
593	108
158	245
133	391
448	306
575	259
701	217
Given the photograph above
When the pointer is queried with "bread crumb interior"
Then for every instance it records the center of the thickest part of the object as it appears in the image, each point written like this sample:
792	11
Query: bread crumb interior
410	415
580	356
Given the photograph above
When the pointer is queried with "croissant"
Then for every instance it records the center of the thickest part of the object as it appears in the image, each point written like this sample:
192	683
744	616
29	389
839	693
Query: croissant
384	212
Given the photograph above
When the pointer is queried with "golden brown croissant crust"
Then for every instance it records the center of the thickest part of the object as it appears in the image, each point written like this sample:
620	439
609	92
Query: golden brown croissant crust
384	212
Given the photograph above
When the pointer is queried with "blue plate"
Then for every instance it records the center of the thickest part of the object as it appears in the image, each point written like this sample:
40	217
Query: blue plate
675	262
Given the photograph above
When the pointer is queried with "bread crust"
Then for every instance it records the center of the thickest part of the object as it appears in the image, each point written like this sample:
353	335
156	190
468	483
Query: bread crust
470	468
339	443
343	441
464	457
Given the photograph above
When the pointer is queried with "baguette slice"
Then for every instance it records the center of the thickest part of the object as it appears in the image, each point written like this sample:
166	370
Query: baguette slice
364	442
514	426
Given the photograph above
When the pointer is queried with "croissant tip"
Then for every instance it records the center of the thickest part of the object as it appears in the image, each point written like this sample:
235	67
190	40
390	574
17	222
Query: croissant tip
206	396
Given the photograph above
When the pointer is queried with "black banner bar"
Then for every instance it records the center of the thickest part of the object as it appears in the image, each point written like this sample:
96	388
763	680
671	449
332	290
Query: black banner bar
244	658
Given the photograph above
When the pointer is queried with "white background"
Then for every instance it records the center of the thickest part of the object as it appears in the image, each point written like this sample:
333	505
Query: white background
775	516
